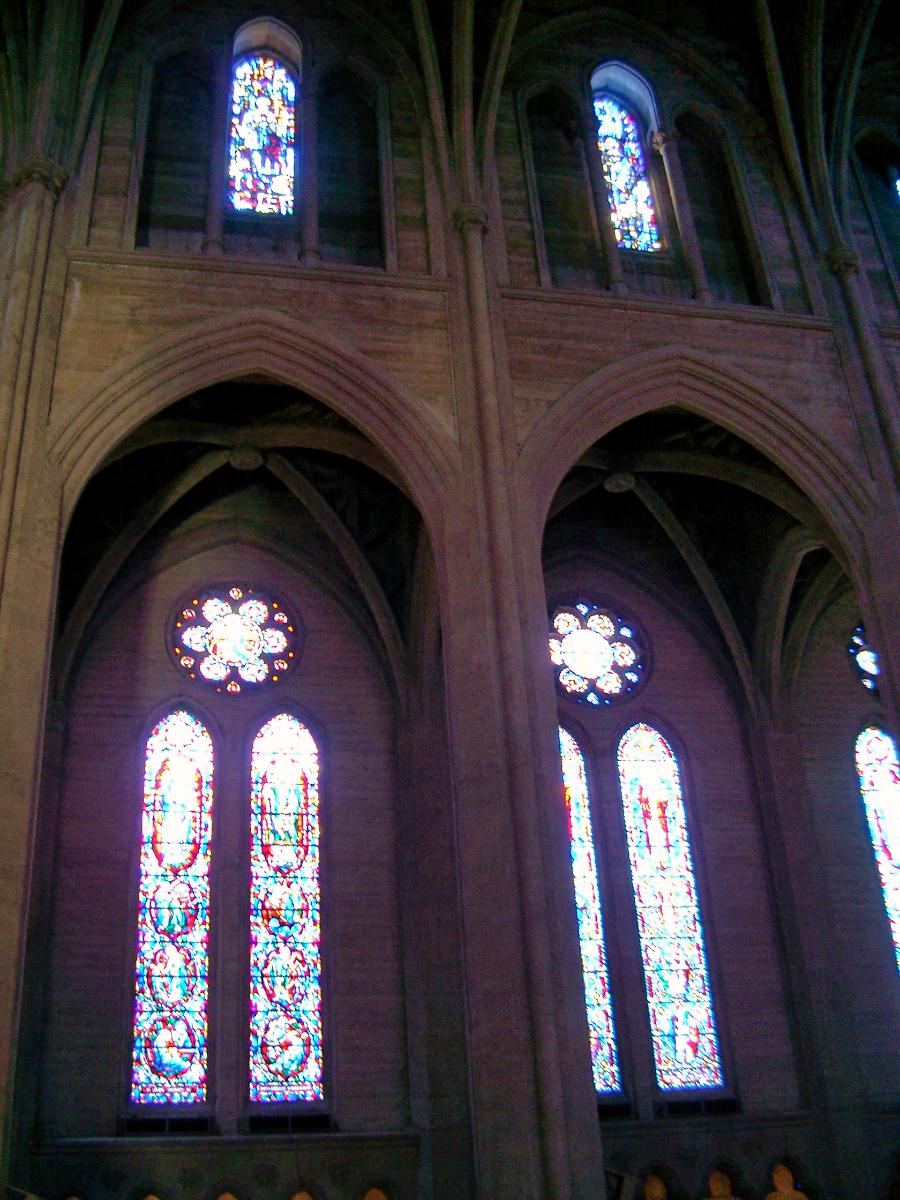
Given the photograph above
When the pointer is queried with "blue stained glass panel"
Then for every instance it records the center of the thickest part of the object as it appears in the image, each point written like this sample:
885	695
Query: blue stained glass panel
285	956
625	173
169	1061
604	1059
676	978
878	770
261	139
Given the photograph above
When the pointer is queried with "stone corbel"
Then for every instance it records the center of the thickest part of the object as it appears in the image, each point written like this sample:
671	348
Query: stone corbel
842	260
469	214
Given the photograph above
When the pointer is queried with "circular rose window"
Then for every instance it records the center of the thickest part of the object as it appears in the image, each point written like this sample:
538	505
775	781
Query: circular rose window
234	638
598	654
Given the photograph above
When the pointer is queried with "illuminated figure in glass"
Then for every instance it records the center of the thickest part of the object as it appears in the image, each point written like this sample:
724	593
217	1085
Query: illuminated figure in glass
604	1060
169	1062
878	770
261	138
627	187
682	1024
285	957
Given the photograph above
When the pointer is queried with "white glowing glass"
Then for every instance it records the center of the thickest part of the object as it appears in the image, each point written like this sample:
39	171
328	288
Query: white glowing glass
586	653
224	637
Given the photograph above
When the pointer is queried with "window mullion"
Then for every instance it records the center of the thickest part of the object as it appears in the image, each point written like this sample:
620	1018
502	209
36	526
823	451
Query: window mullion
229	967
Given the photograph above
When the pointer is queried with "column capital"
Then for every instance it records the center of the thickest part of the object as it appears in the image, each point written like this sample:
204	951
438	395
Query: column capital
662	141
466	215
37	168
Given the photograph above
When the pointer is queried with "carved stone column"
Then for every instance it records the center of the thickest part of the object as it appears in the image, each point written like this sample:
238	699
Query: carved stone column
532	1118
29	534
615	276
306	187
666	145
214	241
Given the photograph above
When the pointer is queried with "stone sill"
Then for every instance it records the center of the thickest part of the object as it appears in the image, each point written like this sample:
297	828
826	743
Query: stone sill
235	264
745	313
126	1144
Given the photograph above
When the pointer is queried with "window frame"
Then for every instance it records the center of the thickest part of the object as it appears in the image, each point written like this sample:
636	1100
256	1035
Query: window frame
247	1108
606	894
644	714
873	717
228	1059
128	1110
645	112
286	221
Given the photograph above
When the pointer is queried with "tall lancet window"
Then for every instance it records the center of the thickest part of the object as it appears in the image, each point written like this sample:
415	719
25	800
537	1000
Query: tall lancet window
631	204
169	1062
285	956
261	137
604	1059
878	770
676	977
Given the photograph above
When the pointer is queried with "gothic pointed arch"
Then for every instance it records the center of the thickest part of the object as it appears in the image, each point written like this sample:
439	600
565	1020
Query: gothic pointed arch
677	375
283	348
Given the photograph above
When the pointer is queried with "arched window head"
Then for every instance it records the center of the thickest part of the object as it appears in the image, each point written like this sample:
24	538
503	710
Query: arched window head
604	1059
285	956
262	129
676	977
878	771
631	205
169	1062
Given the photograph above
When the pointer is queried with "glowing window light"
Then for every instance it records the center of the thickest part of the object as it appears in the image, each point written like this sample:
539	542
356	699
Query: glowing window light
261	138
285	957
596	653
627	187
604	1059
864	659
676	979
878	771
233	638
169	1061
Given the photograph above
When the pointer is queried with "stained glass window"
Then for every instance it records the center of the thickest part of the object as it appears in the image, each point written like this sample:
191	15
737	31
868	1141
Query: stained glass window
628	189
676	978
169	1063
598	653
878	770
604	1060
261	140
285	959
864	660
232	637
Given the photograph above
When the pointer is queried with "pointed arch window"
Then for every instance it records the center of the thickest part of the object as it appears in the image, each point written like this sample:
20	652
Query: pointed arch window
878	772
261	156
631	205
676	977
598	1000
285	957
169	1060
